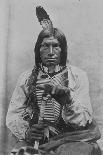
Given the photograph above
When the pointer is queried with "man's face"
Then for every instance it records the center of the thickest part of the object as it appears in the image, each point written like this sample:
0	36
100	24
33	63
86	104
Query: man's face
50	51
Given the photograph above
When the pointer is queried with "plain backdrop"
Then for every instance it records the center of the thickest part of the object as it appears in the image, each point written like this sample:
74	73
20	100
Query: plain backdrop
82	23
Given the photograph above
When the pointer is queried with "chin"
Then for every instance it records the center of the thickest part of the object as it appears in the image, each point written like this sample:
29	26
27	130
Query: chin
51	64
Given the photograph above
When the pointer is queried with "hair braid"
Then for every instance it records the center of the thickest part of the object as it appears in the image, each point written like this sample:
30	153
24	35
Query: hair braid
32	98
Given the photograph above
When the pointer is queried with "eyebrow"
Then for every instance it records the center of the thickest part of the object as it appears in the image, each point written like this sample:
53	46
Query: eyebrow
47	43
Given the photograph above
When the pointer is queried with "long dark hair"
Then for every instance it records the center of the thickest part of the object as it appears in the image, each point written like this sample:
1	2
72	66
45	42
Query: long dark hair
63	44
32	98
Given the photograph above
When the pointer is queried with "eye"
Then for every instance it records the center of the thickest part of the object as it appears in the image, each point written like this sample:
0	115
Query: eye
44	46
56	45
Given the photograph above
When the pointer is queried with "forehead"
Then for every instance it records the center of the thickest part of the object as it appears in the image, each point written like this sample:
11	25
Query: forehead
50	40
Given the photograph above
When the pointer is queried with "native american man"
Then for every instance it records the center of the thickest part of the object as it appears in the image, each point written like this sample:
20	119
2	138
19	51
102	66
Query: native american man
60	91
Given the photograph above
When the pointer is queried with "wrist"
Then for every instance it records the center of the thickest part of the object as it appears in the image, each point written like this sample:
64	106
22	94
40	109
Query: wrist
68	104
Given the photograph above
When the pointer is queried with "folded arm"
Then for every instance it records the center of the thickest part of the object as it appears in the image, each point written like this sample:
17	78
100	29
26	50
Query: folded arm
80	111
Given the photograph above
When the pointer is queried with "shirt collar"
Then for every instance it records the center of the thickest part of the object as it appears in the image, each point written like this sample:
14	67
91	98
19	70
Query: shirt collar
57	68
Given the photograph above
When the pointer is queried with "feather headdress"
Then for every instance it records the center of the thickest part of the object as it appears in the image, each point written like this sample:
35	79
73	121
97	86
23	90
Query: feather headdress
44	19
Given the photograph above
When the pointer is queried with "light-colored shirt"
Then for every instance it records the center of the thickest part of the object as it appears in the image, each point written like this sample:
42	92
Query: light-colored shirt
77	114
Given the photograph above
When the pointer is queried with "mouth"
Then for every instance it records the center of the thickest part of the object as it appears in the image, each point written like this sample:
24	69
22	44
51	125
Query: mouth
51	59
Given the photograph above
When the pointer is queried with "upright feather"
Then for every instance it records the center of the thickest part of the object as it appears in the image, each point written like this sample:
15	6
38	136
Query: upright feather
44	19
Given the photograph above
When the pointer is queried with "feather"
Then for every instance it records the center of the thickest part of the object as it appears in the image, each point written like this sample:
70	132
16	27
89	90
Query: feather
44	19
41	14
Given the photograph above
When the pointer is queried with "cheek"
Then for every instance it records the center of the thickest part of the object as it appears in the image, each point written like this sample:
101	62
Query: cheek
58	53
42	55
59	56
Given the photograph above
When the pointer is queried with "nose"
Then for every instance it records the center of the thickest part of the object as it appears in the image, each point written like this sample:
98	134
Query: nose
51	52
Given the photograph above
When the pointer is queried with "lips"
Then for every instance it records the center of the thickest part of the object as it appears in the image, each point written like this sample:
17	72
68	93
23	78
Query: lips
50	59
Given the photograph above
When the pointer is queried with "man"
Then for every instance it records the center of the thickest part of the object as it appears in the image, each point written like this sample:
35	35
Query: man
52	99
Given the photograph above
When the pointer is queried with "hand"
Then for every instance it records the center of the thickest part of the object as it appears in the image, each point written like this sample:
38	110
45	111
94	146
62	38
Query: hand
46	87
51	89
59	93
59	90
36	132
27	150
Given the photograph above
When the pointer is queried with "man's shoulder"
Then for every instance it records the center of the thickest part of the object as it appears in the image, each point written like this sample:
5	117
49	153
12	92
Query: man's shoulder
26	73
79	74
77	71
24	76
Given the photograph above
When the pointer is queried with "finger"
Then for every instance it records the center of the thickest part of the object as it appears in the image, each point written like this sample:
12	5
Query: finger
57	90
42	87
37	131
31	134
60	90
53	90
36	137
36	134
39	126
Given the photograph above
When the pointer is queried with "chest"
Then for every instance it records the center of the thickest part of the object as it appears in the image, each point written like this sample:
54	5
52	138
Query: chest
52	108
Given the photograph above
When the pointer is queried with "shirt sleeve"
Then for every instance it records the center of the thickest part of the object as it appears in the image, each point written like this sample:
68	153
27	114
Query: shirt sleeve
80	111
14	118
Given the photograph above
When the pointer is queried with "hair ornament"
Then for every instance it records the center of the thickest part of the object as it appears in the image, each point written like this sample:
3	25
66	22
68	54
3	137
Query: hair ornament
44	19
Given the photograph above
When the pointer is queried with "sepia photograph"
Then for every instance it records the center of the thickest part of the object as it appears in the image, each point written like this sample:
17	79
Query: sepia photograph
51	80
